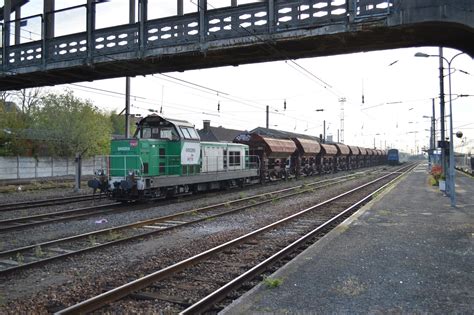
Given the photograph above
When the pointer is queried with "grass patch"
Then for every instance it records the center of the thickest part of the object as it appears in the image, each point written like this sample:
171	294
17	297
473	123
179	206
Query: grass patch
272	283
19	258
92	240
377	194
39	252
113	235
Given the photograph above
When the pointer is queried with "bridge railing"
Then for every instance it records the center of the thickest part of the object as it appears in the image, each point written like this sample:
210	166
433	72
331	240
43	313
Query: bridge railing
260	18
370	8
296	14
244	20
67	47
171	31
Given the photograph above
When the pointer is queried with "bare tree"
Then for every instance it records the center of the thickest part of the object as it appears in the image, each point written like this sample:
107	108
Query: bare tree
28	99
5	96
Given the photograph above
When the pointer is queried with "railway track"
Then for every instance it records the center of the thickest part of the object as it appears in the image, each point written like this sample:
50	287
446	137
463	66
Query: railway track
464	172
196	284
41	253
40	219
47	202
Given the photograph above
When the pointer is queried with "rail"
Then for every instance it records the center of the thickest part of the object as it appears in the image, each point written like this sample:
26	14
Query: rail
95	303
157	225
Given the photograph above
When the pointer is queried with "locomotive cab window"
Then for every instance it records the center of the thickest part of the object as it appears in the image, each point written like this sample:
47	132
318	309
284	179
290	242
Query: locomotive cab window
155	133
145	133
234	158
168	133
189	133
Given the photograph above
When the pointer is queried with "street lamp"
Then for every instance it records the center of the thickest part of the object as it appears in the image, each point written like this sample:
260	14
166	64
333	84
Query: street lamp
452	188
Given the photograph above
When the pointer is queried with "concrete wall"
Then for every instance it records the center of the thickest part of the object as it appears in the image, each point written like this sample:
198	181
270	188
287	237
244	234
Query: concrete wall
30	168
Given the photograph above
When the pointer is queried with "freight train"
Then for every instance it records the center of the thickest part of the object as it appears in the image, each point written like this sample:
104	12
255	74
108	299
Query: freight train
166	158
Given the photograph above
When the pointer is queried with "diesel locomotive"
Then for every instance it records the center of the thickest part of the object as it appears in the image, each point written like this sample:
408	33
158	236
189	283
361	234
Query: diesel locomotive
166	158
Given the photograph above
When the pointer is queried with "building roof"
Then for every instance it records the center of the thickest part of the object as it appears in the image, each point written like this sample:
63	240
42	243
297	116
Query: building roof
219	134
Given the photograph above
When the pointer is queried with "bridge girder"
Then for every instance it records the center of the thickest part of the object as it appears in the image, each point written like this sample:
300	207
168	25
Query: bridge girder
399	29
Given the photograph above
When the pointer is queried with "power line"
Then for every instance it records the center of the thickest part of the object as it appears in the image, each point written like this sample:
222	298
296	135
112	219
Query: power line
274	49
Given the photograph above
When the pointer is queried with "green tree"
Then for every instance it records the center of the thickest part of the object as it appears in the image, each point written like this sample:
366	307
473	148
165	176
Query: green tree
13	124
74	125
118	124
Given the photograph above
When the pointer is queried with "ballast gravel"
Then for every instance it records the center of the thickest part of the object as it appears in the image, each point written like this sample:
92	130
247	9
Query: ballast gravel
62	283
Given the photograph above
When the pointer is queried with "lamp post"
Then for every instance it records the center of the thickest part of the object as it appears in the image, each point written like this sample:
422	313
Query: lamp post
452	188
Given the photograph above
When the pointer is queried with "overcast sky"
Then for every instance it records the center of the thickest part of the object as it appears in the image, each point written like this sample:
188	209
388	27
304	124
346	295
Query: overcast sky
397	88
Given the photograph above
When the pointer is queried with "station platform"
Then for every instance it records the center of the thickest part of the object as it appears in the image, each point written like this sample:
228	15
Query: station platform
406	252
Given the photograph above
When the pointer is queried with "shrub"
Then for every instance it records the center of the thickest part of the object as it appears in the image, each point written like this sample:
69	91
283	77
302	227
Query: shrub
433	181
436	171
272	283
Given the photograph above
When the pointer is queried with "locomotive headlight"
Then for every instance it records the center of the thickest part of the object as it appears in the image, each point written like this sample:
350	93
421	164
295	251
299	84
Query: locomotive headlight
130	173
100	172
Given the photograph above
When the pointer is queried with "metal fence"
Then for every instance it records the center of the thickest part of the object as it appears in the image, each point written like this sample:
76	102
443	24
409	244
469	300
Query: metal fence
43	167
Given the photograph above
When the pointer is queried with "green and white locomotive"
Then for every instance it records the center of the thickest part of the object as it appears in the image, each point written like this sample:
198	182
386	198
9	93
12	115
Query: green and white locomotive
166	157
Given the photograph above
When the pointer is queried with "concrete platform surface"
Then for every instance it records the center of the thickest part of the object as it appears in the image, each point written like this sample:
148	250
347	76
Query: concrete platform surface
406	252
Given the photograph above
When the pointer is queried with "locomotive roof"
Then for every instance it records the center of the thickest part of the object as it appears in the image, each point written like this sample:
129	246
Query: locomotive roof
150	119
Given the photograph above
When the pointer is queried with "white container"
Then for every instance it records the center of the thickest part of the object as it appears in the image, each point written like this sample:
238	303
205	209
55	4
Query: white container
442	185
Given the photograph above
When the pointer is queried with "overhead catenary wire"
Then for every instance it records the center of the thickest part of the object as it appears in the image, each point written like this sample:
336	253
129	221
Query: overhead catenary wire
273	49
239	100
291	62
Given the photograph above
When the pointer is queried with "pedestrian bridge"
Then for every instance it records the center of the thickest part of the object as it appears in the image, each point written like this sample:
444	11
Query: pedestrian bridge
238	34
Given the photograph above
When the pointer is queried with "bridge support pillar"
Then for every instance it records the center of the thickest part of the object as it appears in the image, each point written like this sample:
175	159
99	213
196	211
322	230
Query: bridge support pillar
142	19
180	7
351	10
48	15
48	27
7	9
17	25
90	28
202	7
271	16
